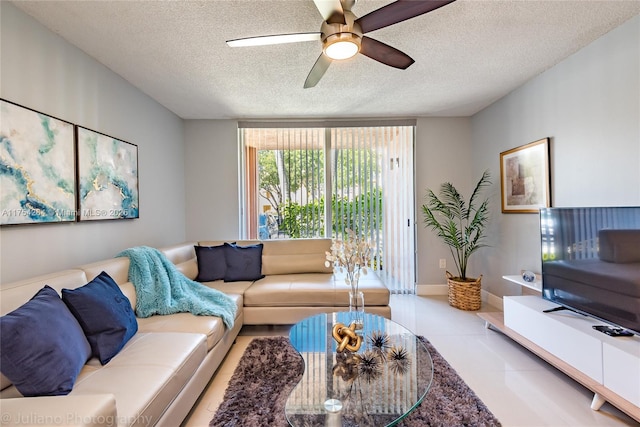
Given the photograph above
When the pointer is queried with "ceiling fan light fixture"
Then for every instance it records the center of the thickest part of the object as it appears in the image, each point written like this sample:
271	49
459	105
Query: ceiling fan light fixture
342	46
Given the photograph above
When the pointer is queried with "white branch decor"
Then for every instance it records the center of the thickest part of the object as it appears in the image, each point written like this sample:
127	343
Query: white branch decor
351	255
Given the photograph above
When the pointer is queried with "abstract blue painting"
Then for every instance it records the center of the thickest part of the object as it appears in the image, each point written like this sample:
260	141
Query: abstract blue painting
37	167
107	177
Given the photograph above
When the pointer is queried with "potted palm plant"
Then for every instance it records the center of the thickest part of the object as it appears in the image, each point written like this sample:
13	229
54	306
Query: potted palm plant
461	226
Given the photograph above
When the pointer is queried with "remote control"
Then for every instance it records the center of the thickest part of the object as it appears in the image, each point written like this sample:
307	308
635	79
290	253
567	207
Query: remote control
613	331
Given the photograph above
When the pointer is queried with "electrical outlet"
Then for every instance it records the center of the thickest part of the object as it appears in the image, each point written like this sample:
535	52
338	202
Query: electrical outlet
443	263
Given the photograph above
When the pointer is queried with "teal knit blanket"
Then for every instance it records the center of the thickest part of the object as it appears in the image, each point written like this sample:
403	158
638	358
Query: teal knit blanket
162	289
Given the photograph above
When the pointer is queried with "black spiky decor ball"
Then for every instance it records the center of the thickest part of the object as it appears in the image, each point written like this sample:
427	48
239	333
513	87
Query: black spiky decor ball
370	365
380	343
399	361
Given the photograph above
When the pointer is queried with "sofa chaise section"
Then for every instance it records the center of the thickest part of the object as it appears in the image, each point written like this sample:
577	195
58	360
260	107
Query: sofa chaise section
217	340
154	380
146	376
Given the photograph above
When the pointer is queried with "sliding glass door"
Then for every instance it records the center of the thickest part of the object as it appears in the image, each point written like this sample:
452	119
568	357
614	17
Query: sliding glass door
306	182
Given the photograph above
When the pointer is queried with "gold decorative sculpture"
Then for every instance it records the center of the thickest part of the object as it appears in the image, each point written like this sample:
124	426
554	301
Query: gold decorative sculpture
346	337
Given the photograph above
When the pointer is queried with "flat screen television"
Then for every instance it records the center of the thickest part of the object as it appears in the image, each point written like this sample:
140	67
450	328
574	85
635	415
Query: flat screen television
591	262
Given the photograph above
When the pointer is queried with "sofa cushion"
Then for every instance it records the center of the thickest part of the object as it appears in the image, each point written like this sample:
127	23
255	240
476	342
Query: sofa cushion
295	256
243	262
105	315
230	288
292	290
146	376
117	268
188	268
211	326
312	290
89	410
17	293
183	255
43	347
179	253
212	264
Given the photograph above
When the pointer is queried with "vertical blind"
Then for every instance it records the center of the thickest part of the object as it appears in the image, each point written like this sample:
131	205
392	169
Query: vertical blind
286	181
304	182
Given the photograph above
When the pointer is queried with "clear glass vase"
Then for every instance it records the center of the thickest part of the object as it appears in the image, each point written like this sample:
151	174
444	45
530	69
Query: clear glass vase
356	308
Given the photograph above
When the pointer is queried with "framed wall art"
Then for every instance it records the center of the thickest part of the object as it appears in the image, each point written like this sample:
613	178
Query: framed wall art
524	178
107	177
37	167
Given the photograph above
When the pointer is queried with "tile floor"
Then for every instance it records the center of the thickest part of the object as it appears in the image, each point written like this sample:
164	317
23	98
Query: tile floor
518	387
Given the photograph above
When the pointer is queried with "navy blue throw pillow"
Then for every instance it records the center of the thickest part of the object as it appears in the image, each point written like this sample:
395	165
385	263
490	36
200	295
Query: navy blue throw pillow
105	314
243	262
211	263
43	348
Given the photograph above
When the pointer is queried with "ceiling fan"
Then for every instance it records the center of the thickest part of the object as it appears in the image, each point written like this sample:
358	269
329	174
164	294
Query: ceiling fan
342	33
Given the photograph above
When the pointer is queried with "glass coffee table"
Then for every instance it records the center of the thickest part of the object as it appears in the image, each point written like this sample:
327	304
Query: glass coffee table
377	385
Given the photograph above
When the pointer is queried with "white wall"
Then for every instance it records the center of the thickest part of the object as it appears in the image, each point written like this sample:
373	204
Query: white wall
589	105
42	71
211	175
443	154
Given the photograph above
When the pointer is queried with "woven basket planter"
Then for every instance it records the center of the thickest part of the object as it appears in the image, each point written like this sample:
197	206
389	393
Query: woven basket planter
464	295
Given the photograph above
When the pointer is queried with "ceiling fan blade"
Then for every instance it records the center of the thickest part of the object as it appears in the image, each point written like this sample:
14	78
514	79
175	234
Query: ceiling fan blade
398	11
317	71
385	54
331	11
274	39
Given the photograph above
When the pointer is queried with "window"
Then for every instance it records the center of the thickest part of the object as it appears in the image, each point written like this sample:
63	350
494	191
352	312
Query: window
307	182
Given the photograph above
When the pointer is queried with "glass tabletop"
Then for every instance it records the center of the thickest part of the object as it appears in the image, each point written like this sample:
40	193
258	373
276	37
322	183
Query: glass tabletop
377	385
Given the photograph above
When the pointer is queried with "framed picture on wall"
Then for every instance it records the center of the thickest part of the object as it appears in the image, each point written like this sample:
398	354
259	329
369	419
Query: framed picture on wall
107	177
37	167
524	178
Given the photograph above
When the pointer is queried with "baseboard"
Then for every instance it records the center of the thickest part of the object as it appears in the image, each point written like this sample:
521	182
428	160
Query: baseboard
435	289
439	289
492	300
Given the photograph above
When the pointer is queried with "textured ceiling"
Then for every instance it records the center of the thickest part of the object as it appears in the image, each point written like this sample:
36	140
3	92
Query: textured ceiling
468	54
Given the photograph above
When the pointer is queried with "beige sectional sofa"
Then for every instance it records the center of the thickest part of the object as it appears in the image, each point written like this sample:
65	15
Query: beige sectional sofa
160	373
297	284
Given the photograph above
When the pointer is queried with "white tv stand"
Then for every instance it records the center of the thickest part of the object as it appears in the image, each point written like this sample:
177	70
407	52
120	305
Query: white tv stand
610	367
